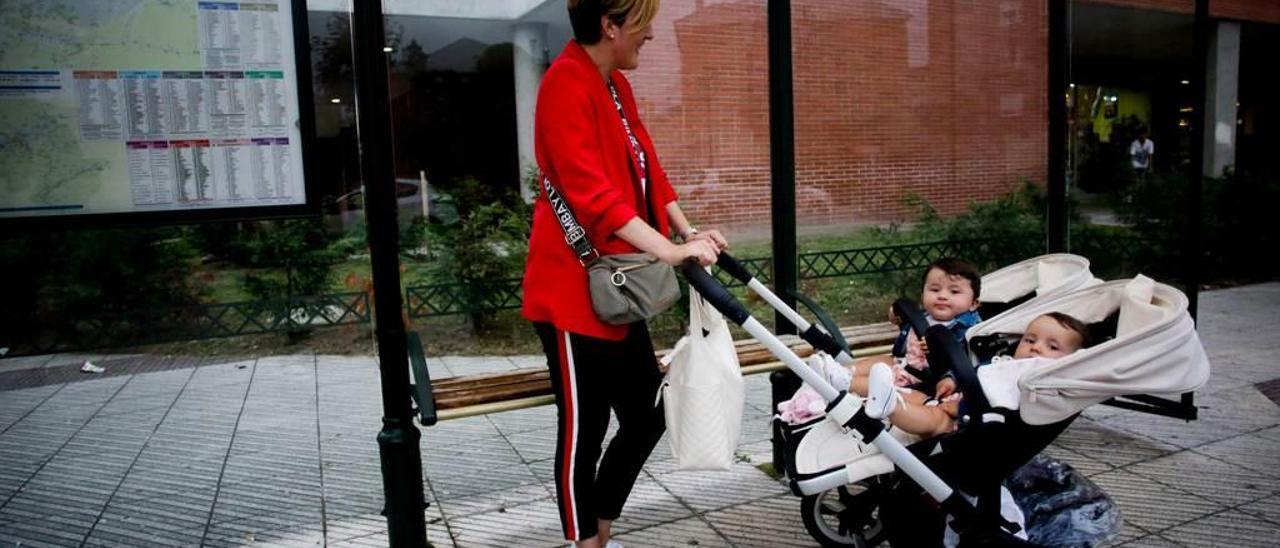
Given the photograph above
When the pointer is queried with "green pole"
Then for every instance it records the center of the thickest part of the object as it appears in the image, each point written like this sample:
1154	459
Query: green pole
398	440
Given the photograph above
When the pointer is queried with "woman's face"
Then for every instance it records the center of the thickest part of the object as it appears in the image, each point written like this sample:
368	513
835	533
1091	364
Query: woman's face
625	42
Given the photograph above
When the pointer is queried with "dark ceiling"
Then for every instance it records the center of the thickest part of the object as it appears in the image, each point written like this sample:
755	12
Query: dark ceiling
1129	47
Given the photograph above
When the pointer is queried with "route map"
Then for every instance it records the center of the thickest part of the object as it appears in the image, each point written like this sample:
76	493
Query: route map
147	105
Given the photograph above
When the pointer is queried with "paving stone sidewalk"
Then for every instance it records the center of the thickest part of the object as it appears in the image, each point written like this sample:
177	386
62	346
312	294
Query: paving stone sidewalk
163	451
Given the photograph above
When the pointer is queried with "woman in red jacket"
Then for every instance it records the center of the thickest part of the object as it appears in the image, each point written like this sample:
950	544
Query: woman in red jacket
590	144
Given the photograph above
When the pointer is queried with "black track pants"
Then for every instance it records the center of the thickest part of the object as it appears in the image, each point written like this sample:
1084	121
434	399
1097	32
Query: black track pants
591	376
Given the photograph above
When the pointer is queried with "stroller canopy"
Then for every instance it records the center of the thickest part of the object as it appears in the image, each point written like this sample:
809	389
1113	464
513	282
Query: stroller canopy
1044	275
1155	349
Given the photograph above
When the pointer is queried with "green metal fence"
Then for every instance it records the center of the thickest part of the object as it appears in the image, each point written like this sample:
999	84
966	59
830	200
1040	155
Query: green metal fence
1111	256
425	301
198	322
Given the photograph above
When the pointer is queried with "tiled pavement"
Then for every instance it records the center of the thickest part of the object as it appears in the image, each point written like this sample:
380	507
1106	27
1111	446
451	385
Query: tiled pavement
281	451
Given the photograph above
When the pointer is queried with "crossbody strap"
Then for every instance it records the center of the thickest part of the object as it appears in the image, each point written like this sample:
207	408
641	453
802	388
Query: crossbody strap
637	152
574	234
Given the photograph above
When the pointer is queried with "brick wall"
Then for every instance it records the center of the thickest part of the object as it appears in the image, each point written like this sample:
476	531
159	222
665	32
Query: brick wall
940	98
943	99
1264	11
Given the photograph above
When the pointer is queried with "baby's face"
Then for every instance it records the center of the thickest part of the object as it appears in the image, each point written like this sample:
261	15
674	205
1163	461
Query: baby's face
1046	338
946	296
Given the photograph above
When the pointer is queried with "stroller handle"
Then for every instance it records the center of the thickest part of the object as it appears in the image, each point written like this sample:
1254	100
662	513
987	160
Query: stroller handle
731	265
832	343
714	292
720	298
727	263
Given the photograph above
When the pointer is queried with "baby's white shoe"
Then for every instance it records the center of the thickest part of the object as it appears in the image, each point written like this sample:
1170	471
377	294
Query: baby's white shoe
882	397
834	373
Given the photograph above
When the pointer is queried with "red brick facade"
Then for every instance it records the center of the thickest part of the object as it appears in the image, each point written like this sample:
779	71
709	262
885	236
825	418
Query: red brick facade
944	99
1263	11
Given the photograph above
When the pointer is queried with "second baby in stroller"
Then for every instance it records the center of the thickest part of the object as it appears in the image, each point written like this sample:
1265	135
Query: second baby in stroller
1048	337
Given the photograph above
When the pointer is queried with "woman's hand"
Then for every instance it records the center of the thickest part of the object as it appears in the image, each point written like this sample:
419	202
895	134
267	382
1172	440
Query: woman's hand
644	237
702	250
713	235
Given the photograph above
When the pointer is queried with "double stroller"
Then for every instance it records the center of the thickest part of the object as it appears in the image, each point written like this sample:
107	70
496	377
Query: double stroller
862	482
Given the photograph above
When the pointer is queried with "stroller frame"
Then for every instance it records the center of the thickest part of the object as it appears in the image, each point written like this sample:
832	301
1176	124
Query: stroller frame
980	525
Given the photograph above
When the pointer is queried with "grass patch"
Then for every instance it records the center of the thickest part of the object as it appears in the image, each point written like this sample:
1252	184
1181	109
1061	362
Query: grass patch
768	469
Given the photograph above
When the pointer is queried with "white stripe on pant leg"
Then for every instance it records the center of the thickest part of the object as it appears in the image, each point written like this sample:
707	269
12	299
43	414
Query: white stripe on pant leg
573	443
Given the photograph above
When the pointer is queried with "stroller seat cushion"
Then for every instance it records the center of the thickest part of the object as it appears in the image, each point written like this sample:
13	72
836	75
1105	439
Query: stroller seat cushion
999	379
826	447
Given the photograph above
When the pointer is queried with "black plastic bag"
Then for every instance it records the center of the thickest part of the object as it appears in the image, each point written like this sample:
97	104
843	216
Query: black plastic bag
1062	507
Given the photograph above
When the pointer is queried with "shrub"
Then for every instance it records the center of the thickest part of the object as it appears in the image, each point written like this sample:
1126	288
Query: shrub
56	278
299	248
1014	221
1235	222
487	245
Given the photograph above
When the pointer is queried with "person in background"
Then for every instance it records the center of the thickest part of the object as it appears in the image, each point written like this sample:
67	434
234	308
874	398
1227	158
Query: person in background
1141	152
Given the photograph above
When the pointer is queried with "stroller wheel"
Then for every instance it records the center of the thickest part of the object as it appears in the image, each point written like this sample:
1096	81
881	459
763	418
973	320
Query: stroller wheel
845	516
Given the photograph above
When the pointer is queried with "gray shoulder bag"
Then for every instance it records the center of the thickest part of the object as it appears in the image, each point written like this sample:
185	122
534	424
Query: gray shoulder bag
626	287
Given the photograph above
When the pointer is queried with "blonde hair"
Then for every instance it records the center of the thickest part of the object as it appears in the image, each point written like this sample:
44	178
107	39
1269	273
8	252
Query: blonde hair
584	16
640	12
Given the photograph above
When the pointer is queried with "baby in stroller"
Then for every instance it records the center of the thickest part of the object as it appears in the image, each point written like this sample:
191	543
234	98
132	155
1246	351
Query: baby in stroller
1048	337
949	297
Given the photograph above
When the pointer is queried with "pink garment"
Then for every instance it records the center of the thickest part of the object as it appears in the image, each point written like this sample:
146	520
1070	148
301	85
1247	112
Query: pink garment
915	353
805	405
902	378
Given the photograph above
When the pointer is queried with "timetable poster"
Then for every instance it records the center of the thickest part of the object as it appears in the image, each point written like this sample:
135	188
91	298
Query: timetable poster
148	105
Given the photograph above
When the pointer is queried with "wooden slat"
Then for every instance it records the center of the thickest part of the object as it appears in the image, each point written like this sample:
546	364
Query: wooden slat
475	396
489	379
459	392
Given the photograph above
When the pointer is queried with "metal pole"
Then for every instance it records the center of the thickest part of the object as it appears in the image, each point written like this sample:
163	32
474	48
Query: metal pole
782	190
782	156
1057	229
1195	180
398	440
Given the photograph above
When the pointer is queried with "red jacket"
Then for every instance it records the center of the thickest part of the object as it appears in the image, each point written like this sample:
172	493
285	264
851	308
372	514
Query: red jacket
581	146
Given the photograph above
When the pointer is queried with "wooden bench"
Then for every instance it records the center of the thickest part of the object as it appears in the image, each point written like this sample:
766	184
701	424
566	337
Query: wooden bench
466	396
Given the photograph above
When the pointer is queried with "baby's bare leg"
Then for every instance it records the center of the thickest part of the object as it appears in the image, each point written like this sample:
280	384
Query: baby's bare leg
917	418
861	368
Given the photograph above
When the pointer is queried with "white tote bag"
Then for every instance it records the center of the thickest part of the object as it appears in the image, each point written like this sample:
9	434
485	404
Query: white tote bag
703	392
